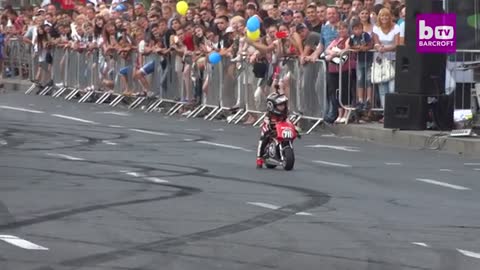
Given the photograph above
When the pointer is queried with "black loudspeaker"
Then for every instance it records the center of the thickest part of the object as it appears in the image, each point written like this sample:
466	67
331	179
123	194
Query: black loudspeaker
442	110
415	7
420	74
407	112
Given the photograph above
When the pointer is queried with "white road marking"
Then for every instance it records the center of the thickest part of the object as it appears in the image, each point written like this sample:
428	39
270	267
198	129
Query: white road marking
115	113
109	143
443	184
446	170
21	242
274	207
135	174
218	129
188	140
328	135
156	180
420	244
192	129
393	163
471	164
225	146
2	142
20	109
469	253
335	147
332	164
476	169
149	132
115	126
81	140
65	156
73	118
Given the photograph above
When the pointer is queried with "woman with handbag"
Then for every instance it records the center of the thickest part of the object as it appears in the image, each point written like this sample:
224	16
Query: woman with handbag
344	64
386	37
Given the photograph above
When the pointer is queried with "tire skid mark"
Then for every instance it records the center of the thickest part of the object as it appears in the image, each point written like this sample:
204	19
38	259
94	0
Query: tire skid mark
330	256
184	191
125	164
315	199
91	141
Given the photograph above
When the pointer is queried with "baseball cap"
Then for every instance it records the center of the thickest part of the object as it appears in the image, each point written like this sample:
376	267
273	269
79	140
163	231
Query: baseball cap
120	8
287	12
300	27
251	6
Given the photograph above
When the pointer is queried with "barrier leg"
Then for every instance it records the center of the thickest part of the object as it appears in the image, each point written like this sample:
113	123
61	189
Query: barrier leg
59	92
212	112
240	111
349	113
201	107
154	105
86	96
319	121
30	89
240	118
46	90
136	103
103	98
72	94
260	119
175	109
116	101
215	114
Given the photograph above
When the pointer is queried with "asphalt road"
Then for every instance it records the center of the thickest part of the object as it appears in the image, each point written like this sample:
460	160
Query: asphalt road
84	186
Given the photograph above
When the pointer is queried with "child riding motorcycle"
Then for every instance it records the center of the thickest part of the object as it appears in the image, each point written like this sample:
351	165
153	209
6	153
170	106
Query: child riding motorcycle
277	111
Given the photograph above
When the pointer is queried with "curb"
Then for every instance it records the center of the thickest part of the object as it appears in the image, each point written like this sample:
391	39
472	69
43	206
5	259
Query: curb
16	85
425	140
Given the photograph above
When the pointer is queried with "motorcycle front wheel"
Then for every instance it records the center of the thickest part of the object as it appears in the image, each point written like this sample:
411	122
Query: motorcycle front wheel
289	159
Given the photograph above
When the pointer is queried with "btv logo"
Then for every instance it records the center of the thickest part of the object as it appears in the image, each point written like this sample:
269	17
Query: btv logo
443	32
436	33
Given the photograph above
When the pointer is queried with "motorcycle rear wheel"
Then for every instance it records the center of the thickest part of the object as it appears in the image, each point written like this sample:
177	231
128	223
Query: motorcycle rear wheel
289	159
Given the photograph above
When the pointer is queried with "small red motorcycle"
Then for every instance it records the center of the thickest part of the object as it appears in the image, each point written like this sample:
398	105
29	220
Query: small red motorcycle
279	149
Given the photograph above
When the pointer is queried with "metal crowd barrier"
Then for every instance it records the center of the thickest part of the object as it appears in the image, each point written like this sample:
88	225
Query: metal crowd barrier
231	85
356	81
17	59
463	83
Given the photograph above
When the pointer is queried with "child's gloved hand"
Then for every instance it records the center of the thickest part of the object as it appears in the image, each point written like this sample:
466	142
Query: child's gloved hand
299	131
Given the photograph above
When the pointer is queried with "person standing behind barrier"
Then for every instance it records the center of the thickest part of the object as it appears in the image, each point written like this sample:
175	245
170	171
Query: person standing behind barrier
40	48
328	34
108	49
310	41
182	62
312	18
336	49
361	42
386	36
155	45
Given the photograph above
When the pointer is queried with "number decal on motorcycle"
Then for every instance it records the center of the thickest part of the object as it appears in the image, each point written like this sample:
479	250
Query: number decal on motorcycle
287	134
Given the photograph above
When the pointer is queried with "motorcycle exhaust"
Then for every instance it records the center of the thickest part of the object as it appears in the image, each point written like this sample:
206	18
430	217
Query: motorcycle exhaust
273	162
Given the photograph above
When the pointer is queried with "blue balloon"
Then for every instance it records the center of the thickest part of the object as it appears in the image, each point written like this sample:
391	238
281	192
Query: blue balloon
214	58
253	24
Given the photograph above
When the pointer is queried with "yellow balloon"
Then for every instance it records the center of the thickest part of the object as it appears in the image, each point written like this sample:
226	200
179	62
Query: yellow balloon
253	35
182	8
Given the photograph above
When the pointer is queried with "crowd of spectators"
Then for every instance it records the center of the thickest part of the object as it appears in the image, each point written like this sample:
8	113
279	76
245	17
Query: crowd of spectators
309	31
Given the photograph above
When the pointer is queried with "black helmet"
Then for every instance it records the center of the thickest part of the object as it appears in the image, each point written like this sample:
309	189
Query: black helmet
275	99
